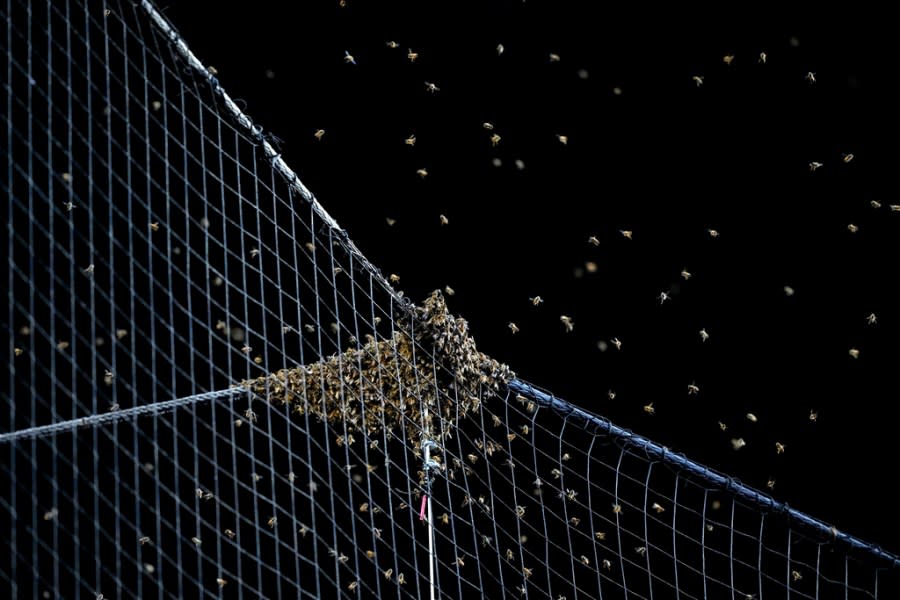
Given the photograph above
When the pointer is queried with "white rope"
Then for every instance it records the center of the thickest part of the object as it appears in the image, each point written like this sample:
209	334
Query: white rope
117	415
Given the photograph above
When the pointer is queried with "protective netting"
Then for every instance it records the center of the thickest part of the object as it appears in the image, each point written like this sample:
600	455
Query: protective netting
212	391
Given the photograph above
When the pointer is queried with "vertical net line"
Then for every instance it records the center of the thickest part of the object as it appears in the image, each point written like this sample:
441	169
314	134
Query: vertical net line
10	508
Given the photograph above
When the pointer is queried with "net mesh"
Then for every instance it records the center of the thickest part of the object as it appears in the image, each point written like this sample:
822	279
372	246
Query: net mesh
212	391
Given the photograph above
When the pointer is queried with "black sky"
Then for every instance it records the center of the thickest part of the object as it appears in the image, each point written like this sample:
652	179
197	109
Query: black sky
649	151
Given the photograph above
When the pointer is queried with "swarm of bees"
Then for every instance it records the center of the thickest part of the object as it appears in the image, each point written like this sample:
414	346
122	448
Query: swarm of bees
430	367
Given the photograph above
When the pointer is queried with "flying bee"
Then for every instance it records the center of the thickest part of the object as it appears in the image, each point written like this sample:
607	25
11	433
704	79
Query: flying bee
394	278
499	49
693	389
144	541
495	139
520	511
392	45
412	56
815	165
600	535
796	576
685	274
423	173
770	483
779	448
585	560
108	377
813	415
611	395
728	59
875	204
444	221
713	233
593	240
738	443
353	585
698	79
762	58
221	582
723	426
348	58
627	234
196	541
154	226
703	335
852	228
649	409
658	508
606	564
536	300
459	562
567	323
847	157
810	77
89	270
641	550
871	319
617	509
563	139
513	327
663	296
319	134
854	352
430	87
388	574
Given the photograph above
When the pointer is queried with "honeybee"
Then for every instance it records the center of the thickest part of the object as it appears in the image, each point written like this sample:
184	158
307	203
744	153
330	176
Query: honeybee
627	234
617	509
815	165
658	508
144	540
348	58
585	560
663	296
703	335
649	409
698	79
430	87
554	57
154	226
847	157
319	134
738	443
728	59
513	327
713	233
854	352
412	56
423	173
536	300
499	49
770	484
567	323
606	564
871	319
563	139
875	204
444	220
392	45
693	389
221	582
810	77
196	541
852	228
751	417
685	274
779	448
813	415
762	57
410	141
394	278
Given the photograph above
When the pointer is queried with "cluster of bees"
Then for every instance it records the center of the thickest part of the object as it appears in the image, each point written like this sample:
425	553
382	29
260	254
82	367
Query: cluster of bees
428	368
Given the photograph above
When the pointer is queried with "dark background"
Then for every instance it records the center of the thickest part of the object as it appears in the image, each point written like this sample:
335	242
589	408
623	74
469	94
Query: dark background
664	158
